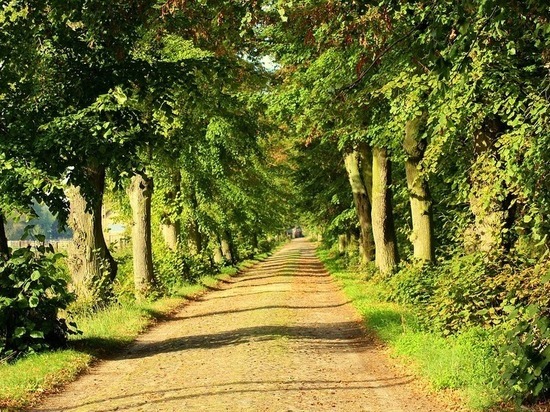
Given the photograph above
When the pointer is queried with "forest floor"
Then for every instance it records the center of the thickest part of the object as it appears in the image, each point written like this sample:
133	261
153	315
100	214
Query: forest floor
279	337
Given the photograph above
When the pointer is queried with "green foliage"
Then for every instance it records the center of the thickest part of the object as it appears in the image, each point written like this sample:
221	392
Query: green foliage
123	286
31	294
451	296
462	297
524	353
508	303
524	345
175	268
414	283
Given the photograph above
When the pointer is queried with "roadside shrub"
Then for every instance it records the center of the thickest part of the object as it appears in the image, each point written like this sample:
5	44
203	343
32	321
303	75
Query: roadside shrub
414	284
266	245
524	351
173	268
123	286
524	348
511	301
31	293
461	296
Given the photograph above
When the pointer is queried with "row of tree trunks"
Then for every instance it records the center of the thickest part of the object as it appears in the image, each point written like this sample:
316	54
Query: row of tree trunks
369	175
92	265
140	193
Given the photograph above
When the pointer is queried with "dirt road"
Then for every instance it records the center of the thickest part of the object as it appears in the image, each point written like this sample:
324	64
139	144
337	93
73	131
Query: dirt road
280	337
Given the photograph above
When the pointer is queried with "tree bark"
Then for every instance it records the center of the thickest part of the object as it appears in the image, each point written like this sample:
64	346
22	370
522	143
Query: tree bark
342	244
362	203
365	164
487	188
227	246
4	248
254	241
140	192
382	213
171	231
419	193
194	240
170	226
92	267
218	254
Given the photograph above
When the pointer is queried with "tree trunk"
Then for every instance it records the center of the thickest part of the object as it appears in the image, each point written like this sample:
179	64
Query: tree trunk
382	212
92	267
170	225
365	154
194	240
342	244
140	192
4	249
171	233
362	203
487	188
254	239
227	246
419	193
353	245
218	254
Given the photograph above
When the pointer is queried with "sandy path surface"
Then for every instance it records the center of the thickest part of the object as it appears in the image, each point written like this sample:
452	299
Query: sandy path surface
280	337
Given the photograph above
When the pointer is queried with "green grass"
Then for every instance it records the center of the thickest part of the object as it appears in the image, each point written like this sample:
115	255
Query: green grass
104	332
23	381
460	363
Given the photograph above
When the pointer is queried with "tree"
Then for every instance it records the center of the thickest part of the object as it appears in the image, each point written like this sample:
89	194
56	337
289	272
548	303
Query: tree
140	192
419	193
356	163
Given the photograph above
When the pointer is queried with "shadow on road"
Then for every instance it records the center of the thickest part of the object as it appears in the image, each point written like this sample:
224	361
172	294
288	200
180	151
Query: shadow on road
229	388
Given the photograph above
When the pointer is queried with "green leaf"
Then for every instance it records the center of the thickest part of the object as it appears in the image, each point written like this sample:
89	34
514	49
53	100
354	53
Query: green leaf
119	95
19	331
33	301
37	334
35	275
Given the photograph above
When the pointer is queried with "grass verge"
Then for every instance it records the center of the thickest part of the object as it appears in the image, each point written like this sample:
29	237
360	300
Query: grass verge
460	363
104	332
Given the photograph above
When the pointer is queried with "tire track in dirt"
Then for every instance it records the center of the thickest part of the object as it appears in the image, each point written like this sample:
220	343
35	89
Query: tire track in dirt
280	337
